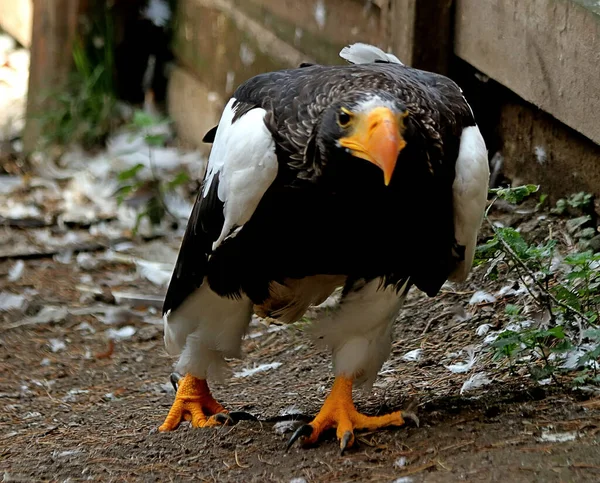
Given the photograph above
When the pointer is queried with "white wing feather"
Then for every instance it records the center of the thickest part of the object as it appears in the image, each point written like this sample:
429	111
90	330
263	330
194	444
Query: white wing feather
243	154
360	53
470	190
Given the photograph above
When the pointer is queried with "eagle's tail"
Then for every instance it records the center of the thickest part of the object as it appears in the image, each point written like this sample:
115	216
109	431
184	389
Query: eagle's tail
360	53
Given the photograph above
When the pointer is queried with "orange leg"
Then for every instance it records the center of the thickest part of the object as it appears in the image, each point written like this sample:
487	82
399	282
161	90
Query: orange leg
339	412
193	402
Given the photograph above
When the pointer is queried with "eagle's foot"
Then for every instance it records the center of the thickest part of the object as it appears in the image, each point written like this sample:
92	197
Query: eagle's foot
339	412
194	403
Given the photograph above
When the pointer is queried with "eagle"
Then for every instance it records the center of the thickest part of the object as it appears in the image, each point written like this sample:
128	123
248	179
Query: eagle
370	177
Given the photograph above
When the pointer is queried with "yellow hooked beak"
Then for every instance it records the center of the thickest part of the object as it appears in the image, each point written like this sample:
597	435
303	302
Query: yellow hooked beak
376	137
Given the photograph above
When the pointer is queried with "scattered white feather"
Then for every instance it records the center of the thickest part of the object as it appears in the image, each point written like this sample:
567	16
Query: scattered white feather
8	183
32	415
257	369
247	55
156	272
298	480
509	290
47	314
11	301
158	12
15	210
540	154
290	411
464	366
320	14
64	257
518	326
545	382
558	437
412	356
57	345
490	338
178	205
483	329
16	271
481	297
87	327
66	453
87	261
72	394
474	382
400	462
45	362
573	357
123	333
282	427
403	479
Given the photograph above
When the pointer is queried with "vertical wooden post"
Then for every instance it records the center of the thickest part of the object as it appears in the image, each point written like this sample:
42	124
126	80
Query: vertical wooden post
421	33
54	28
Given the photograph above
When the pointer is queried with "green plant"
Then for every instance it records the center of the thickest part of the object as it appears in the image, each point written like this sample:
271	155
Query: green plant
84	111
578	201
149	193
567	289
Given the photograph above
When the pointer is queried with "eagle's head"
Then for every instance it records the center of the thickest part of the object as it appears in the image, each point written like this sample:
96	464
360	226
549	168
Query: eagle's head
368	126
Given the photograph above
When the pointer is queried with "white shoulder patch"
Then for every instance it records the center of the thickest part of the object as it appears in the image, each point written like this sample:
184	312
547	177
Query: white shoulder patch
470	190
243	154
360	53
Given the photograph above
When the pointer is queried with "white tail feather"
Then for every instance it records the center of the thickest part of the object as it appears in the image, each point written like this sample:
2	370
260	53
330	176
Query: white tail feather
360	53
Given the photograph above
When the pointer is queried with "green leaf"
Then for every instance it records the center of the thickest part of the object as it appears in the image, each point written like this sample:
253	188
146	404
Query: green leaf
155	139
142	119
129	173
580	200
181	178
517	194
593	334
542	201
511	309
513	238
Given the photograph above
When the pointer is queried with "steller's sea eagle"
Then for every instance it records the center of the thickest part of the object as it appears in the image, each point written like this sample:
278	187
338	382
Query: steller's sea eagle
371	176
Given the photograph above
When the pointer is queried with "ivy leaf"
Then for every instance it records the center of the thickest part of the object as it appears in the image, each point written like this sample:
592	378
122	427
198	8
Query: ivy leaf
517	194
129	173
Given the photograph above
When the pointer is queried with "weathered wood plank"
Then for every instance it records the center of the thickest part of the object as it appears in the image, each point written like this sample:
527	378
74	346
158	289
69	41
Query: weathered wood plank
55	24
421	33
546	51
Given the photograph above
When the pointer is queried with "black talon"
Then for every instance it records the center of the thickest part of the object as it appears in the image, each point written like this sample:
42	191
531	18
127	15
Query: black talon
175	377
345	440
242	416
224	418
410	416
304	430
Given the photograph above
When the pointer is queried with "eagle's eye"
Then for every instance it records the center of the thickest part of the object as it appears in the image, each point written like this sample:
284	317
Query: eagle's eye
344	118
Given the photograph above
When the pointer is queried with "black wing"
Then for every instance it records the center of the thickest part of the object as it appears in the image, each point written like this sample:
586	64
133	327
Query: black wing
203	228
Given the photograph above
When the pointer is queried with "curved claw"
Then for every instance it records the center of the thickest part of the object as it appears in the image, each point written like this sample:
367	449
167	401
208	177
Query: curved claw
234	417
303	431
223	418
175	378
242	416
346	439
410	416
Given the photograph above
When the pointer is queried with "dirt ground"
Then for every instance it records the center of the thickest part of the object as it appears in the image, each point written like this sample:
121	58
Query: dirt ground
76	406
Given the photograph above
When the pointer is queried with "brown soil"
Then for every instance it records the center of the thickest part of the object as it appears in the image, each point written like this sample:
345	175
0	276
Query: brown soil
86	413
